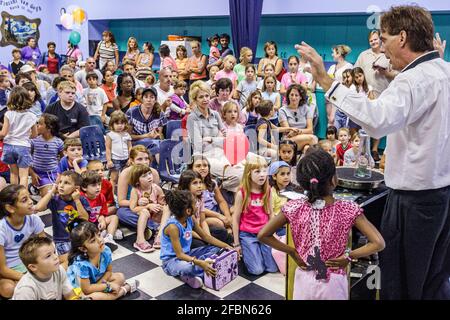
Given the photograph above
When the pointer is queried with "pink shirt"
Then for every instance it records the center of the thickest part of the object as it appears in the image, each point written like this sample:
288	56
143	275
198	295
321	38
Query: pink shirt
254	217
336	221
286	80
230	75
169	62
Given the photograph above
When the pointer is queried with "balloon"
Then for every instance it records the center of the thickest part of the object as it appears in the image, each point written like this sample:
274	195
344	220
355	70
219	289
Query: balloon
66	21
79	15
236	147
74	37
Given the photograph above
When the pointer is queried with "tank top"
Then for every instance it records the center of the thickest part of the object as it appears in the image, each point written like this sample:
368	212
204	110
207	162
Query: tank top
254	217
195	62
185	233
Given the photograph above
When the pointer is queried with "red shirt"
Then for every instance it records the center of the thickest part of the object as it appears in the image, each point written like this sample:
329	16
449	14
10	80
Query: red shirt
3	167
340	150
110	92
52	65
107	191
98	207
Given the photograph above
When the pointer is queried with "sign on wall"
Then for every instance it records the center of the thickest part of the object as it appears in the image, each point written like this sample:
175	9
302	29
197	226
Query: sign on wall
16	30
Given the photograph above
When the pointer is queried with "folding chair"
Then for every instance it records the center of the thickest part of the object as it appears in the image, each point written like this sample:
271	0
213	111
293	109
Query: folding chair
173	154
171	126
93	143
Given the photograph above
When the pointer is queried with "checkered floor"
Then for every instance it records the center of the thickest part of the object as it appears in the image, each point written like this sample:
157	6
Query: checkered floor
156	285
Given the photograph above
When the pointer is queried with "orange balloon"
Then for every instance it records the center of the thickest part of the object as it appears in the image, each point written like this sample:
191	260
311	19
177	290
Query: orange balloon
79	15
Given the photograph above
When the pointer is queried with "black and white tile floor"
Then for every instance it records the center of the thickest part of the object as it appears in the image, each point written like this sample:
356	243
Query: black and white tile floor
156	285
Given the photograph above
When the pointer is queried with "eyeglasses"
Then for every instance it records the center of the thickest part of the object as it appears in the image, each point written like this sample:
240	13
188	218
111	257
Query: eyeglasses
295	116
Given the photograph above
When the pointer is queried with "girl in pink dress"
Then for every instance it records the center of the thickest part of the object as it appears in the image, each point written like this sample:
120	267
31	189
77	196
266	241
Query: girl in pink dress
320	228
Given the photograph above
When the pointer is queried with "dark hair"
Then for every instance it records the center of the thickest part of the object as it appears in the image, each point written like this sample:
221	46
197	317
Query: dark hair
30	86
29	39
52	122
364	84
186	179
104	70
76	177
179	201
225	36
91	75
212	38
19	99
90	177
293	57
110	34
264	108
164	51
118	117
316	165
249	107
150	47
136	172
223	83
119	84
9	195
208	181
51	43
301	91
332	130
250	66
270	43
183	49
415	21
21	76
291	143
80	232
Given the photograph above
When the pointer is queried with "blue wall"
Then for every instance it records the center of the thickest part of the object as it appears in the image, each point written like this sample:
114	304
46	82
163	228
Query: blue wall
321	31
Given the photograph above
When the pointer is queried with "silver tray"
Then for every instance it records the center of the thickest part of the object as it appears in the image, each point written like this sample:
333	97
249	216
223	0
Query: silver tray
347	179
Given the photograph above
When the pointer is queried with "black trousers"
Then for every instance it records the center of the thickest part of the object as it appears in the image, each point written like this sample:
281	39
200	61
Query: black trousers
416	261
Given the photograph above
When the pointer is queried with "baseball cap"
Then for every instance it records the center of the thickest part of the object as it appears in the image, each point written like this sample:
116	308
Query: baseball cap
275	166
27	68
150	89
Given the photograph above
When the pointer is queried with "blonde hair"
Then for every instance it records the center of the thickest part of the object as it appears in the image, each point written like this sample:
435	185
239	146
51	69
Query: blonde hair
135	41
342	49
229	58
246	185
244	52
344	129
195	89
66	84
228	106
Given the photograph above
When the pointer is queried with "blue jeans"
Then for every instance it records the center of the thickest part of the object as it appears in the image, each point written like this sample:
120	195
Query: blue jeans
176	267
128	217
97	121
151	144
340	120
257	256
18	155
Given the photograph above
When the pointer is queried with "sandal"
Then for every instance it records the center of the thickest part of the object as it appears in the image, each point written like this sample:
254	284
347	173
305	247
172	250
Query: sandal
144	247
157	243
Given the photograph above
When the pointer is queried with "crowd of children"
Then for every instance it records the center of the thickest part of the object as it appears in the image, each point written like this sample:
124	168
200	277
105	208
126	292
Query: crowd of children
193	220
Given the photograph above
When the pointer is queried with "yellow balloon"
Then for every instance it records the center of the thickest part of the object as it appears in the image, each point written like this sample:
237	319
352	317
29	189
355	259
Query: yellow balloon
79	15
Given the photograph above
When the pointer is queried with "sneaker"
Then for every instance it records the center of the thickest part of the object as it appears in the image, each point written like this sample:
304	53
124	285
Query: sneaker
144	247
134	285
148	233
118	235
110	243
193	282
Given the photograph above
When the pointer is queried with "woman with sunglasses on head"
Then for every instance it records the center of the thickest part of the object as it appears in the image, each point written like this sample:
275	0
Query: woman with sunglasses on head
299	115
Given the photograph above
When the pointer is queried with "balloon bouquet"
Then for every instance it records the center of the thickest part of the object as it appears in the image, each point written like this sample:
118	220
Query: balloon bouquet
72	18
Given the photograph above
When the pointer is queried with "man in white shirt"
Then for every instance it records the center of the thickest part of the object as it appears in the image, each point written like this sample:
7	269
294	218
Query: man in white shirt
414	112
130	67
164	88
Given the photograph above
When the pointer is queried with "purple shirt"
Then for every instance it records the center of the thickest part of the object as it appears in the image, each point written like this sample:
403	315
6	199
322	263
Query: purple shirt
30	54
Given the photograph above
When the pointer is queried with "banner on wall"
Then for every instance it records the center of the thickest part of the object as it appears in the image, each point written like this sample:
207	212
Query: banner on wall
15	26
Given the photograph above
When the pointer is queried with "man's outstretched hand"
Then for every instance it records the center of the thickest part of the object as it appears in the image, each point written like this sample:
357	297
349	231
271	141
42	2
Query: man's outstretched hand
317	67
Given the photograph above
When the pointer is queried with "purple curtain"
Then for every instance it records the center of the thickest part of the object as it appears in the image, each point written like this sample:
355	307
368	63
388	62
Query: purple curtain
245	21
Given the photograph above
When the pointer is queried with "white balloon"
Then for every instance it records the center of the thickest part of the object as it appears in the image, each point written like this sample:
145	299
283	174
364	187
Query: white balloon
67	21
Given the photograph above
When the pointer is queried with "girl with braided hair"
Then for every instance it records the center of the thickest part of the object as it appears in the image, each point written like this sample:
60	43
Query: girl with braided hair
320	228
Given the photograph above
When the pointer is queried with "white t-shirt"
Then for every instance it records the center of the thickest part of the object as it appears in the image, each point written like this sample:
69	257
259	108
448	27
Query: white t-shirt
119	145
163	95
20	124
338	73
11	239
80	76
31	288
95	99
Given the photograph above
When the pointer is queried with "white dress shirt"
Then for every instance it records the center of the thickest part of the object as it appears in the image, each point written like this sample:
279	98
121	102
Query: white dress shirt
414	112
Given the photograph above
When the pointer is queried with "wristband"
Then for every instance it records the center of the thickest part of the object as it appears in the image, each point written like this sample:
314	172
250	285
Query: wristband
347	255
236	245
108	288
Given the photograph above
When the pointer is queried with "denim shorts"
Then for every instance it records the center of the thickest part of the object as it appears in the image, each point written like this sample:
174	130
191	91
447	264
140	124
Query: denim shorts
18	155
63	247
119	165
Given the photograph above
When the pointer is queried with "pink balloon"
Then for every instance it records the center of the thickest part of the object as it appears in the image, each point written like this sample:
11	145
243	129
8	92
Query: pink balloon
236	147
